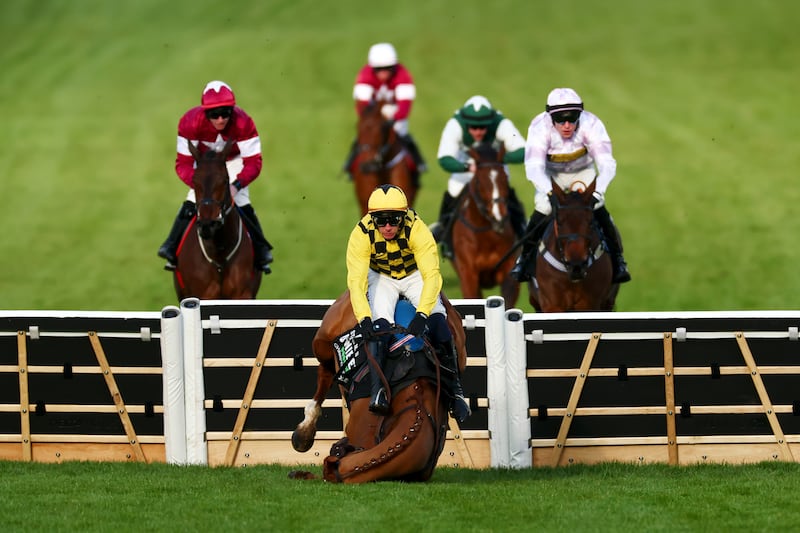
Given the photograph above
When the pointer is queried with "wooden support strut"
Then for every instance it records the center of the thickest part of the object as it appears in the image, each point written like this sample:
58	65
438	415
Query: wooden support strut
111	383
247	399
780	438
458	439
577	389
669	391
24	399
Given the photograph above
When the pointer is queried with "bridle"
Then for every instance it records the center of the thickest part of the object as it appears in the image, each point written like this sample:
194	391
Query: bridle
207	228
489	211
577	270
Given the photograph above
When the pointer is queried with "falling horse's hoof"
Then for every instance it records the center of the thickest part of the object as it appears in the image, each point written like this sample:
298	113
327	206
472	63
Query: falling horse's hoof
300	442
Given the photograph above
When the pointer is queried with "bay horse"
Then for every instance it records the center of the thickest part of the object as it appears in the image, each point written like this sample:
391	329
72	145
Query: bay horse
482	230
215	256
380	157
573	268
404	445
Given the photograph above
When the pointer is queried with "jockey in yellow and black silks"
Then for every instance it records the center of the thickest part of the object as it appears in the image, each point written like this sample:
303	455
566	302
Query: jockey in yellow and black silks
392	253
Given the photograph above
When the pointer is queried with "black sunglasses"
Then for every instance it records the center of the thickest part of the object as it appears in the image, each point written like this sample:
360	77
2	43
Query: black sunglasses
477	127
561	117
381	220
217	112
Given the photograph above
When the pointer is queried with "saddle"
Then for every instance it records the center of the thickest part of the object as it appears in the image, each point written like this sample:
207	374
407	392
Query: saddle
409	358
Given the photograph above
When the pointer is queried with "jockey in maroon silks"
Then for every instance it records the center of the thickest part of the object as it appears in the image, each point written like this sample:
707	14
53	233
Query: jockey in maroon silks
209	126
385	78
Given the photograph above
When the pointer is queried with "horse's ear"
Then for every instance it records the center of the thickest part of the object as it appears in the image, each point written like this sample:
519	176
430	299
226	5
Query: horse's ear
194	151
474	154
558	192
227	148
590	189
501	154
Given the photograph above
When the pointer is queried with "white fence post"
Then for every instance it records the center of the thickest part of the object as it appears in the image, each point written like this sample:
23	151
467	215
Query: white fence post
496	382
172	382
196	451
519	425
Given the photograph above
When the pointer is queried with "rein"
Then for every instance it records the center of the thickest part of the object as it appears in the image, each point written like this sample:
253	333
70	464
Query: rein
225	210
559	262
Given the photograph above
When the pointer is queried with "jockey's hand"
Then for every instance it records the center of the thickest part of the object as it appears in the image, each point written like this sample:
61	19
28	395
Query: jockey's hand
365	328
598	200
418	324
389	111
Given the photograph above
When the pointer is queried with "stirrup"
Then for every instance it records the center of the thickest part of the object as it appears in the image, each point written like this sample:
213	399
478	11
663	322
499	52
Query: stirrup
621	275
170	266
460	409
447	250
520	273
380	404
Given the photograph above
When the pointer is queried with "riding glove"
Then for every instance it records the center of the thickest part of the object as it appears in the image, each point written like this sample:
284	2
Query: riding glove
365	328
418	324
598	200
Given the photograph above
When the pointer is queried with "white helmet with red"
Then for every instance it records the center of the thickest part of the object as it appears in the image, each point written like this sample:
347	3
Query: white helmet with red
382	55
217	94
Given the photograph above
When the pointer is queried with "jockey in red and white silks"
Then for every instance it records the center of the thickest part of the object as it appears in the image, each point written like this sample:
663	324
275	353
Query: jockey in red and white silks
385	78
208	127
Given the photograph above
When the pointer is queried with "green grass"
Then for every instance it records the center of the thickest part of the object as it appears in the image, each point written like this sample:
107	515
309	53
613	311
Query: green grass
606	497
698	97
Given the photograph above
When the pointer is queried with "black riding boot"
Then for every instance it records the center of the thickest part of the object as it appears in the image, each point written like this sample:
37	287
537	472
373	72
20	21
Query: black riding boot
170	246
449	361
517	213
261	246
413	149
379	401
350	158
441	228
525	268
614	243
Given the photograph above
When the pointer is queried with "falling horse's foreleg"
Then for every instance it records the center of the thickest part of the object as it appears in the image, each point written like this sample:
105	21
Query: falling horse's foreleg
306	430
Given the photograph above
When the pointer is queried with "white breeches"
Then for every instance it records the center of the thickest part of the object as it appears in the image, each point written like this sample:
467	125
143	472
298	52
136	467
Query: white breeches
384	291
568	181
401	127
457	182
235	166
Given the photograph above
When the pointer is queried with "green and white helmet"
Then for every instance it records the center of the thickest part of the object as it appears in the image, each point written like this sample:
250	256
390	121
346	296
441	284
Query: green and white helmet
477	111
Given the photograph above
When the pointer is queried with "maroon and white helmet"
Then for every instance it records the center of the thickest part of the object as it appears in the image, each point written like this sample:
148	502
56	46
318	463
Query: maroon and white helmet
563	99
217	94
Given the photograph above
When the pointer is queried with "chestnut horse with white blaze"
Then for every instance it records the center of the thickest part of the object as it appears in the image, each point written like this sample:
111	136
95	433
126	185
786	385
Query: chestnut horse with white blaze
404	445
483	234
